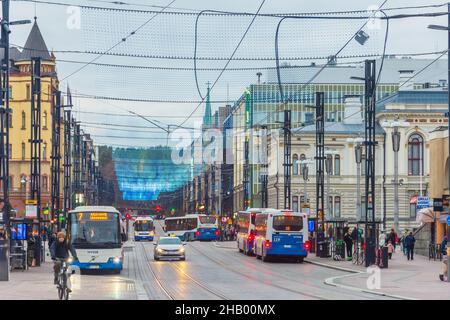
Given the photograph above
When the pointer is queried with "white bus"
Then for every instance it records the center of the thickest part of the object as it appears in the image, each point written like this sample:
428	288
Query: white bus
183	227
281	233
97	233
245	230
143	228
208	227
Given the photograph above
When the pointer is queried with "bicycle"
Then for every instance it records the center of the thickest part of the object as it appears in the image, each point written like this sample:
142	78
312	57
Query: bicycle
358	256
63	277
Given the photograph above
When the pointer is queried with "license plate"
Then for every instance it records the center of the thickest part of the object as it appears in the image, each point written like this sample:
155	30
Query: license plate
287	246
94	267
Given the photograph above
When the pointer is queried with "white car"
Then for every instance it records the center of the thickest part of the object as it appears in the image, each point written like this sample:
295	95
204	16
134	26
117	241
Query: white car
169	247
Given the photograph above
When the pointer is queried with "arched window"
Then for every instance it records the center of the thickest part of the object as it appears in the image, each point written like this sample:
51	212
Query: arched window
415	155
23	183
44	120
337	165
24	119
295	165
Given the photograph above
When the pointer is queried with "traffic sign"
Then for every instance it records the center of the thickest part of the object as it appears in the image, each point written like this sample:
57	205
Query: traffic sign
448	220
423	202
30	211
31	201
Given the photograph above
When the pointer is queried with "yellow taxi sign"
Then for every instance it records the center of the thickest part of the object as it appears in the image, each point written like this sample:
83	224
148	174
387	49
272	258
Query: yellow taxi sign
30	201
98	216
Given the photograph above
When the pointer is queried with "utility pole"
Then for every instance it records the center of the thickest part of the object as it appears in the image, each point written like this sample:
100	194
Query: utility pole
264	168
35	142
287	159
67	159
246	180
56	155
370	143
320	159
4	120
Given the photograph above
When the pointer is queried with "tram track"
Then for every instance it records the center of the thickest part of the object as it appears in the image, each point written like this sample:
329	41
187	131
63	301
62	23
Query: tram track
175	267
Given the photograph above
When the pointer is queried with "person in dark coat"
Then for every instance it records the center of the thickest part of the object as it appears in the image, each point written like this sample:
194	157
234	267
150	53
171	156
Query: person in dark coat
409	244
60	249
348	244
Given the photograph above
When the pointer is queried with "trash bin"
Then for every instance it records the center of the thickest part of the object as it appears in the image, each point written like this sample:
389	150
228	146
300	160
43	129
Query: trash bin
4	260
322	248
384	257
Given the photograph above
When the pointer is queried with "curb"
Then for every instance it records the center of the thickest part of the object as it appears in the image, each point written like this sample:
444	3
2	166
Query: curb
330	281
332	267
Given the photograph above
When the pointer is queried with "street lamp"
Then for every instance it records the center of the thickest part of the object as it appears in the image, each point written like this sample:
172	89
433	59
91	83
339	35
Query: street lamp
358	158
395	147
328	168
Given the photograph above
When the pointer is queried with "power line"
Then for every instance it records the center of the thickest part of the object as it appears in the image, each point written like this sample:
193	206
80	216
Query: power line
132	33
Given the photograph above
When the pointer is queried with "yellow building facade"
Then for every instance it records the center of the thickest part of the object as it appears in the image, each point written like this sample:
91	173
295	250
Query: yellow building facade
20	121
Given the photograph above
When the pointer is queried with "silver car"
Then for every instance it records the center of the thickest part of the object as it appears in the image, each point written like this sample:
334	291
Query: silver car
169	247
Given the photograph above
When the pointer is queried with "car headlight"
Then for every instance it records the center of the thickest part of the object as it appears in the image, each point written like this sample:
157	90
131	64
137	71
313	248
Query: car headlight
181	250
70	260
116	260
159	250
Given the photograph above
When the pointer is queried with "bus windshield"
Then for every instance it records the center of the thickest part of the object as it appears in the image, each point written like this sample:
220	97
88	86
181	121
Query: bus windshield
181	224
287	223
207	219
94	229
143	225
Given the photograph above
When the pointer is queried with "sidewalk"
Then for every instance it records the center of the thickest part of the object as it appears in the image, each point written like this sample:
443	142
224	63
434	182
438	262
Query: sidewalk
37	284
416	279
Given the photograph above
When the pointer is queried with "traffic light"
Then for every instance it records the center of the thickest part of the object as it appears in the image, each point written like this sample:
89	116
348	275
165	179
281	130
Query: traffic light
158	208
172	211
127	216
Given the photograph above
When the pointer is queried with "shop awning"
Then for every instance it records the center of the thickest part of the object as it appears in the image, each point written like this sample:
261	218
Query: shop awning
425	215
413	200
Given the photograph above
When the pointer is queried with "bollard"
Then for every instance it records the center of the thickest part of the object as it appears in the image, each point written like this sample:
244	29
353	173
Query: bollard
4	260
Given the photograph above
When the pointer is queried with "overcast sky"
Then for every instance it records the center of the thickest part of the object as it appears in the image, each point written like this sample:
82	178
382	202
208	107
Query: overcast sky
172	35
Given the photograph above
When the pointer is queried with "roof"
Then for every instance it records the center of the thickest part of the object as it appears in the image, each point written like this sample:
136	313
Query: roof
341	74
423	96
95	208
35	46
339	128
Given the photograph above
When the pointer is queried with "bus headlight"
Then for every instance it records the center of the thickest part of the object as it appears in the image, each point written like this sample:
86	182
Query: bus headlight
70	260
116	260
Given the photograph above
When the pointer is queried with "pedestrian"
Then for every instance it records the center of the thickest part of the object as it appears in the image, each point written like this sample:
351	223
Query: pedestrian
382	239
409	243
393	238
444	273
405	234
348	244
390	249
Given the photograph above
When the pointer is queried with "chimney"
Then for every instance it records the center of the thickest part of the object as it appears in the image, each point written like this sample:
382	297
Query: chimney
405	82
353	109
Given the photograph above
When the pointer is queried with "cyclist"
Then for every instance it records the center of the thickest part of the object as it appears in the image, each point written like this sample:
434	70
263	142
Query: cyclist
60	251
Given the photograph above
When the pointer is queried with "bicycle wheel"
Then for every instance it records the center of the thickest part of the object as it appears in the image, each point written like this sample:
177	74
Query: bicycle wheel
60	292
355	257
361	258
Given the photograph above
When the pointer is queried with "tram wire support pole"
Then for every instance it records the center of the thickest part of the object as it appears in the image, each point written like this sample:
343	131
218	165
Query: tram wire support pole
35	143
320	159
287	164
370	143
56	155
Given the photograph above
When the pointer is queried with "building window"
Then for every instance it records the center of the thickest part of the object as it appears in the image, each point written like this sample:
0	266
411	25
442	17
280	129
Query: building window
24	119
10	120
413	208
44	120
10	151
28	92
337	165
44	183
330	205
23	150
295	204
10	93
11	183
23	183
337	206
295	165
44	151
415	155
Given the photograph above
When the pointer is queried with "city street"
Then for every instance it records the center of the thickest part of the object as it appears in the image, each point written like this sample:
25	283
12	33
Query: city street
212	271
